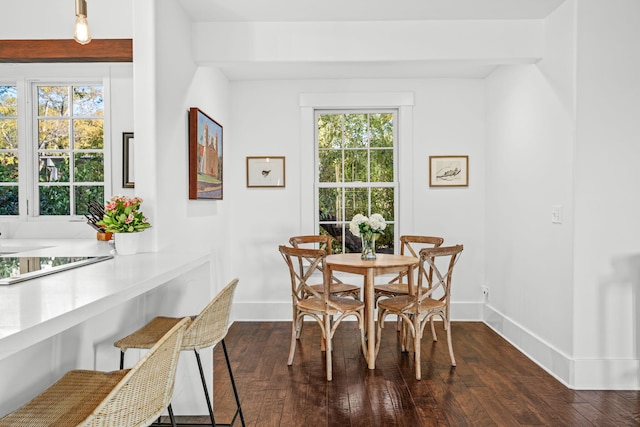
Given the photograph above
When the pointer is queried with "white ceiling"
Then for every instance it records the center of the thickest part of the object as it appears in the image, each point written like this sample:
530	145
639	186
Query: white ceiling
361	10
364	10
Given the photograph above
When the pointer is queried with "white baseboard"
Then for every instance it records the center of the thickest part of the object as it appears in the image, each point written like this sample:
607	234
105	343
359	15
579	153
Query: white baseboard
579	374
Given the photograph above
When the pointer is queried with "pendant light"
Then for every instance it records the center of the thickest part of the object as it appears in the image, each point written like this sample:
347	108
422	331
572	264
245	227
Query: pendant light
81	32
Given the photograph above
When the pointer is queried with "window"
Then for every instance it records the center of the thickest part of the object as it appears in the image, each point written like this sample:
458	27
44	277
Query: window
70	145
8	150
356	158
58	166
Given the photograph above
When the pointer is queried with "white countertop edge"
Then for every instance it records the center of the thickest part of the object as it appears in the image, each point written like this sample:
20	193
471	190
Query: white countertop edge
168	266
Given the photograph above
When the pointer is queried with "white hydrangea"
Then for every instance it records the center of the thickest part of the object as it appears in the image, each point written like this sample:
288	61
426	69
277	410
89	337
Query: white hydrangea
377	222
361	224
354	225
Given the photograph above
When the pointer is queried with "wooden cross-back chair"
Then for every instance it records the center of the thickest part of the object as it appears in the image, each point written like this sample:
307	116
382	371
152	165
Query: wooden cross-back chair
324	242
327	309
427	302
411	246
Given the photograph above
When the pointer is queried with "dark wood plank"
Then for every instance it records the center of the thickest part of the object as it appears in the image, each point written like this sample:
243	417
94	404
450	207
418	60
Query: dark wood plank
98	50
493	383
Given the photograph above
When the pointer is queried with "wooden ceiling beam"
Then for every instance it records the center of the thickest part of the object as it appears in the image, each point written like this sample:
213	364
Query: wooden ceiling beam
98	50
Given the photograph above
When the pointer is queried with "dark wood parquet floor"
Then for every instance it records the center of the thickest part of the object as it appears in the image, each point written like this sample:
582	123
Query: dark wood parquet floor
493	384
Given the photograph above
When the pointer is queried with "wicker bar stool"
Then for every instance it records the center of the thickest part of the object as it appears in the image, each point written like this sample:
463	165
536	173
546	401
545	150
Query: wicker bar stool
207	329
128	397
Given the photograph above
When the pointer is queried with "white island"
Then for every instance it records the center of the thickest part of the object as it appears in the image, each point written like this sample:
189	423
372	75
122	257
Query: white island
70	319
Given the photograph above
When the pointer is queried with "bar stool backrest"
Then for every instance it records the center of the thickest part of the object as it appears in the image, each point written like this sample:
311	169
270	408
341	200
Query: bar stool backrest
146	391
210	326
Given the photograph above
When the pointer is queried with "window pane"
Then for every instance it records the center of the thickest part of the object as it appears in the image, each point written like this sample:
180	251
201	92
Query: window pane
8	101
381	165
385	242
356	131
85	194
89	167
8	133
382	202
53	167
88	134
53	101
88	101
355	166
356	201
330	166
53	134
330	131
9	200
8	167
381	129
330	204
54	200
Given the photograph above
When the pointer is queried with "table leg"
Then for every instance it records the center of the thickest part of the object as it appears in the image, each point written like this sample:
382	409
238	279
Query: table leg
370	321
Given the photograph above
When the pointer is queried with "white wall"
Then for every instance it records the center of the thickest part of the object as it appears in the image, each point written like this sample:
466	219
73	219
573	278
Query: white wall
607	253
529	170
265	120
167	85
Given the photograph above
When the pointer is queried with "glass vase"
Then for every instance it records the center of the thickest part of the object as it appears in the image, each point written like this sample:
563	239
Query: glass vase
368	246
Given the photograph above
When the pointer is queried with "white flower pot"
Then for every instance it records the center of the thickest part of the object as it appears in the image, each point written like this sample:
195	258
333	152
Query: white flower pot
126	243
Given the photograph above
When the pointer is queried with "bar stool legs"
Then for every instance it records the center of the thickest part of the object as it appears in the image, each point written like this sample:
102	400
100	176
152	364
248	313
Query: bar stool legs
233	385
238	410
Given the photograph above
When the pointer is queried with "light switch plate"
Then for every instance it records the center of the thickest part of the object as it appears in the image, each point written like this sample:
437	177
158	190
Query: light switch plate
556	214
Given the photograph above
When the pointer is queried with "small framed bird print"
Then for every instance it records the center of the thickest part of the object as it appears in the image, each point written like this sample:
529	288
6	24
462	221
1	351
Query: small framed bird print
266	172
448	171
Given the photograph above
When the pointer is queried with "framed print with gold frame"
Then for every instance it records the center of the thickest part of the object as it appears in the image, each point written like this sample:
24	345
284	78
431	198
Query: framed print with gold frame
266	171
448	171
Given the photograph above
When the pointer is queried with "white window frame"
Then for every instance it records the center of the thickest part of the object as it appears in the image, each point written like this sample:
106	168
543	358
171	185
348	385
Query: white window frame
401	101
359	184
28	139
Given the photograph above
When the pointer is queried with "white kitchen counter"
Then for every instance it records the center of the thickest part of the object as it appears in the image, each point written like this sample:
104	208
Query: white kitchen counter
68	319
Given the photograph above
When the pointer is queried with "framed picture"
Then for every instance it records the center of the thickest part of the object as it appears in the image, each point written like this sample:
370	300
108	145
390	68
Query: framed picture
265	171
205	156
128	180
448	171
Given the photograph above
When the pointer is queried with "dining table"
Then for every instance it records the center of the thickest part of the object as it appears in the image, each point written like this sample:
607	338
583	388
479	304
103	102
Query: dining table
383	264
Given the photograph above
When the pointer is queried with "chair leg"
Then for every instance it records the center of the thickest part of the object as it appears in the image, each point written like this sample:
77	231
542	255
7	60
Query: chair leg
171	417
453	359
233	385
294	338
433	330
204	387
417	338
121	359
327	332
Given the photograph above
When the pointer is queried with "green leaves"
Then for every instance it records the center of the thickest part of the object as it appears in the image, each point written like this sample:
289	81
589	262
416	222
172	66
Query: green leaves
122	216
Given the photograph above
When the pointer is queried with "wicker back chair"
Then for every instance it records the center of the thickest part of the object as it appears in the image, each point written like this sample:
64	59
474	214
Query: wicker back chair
428	301
130	397
207	329
324	242
322	307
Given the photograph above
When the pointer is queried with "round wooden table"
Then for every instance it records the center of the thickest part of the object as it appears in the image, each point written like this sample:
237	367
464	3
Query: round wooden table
384	263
